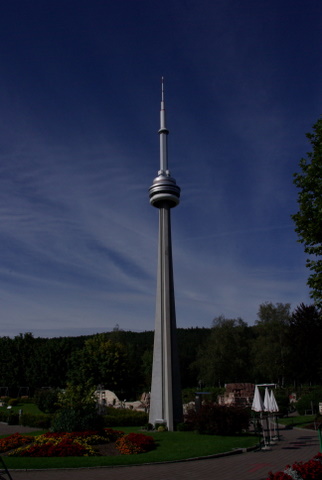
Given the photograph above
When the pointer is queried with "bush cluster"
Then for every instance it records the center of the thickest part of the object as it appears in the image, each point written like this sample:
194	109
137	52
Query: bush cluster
47	400
124	417
308	400
78	419
214	419
9	417
42	421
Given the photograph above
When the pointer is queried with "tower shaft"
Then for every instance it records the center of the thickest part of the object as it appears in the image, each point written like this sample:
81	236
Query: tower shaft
165	400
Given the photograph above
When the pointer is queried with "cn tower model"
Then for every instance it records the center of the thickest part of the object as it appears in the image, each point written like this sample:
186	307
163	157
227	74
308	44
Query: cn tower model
165	400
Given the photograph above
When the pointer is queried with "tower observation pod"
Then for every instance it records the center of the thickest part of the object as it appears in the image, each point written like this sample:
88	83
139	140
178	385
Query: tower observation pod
165	399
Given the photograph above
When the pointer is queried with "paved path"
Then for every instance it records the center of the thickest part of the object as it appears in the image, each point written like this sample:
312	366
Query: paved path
295	445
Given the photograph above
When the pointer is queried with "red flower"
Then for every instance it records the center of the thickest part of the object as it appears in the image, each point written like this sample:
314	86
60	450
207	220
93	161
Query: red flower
134	443
278	476
311	470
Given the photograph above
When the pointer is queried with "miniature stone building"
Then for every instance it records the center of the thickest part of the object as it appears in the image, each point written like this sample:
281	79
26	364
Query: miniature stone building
239	394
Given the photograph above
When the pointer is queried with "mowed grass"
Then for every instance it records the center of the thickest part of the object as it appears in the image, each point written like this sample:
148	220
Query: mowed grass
171	446
297	421
25	407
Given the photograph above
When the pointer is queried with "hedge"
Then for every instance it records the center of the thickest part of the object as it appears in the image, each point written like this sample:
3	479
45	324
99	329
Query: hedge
42	421
125	418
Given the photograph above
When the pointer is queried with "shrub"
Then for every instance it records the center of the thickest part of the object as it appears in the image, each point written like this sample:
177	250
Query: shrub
26	399
308	400
184	427
13	419
9	417
77	420
283	403
13	402
47	400
42	421
124	417
213	419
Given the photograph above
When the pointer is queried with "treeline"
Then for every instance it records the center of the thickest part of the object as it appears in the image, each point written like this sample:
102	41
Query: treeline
282	347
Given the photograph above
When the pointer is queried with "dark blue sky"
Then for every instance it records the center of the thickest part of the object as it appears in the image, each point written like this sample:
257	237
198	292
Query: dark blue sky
80	99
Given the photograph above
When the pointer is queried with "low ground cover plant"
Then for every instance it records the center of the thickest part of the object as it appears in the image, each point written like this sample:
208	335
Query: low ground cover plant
310	470
75	444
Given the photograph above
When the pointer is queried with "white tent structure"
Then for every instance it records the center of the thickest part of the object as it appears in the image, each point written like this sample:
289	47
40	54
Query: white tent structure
274	406
274	410
259	407
268	410
270	407
267	401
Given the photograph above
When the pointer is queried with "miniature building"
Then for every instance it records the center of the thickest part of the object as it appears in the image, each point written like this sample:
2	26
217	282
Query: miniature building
239	394
106	398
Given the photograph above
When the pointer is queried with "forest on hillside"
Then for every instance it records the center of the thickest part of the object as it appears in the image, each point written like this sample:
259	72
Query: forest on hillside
282	347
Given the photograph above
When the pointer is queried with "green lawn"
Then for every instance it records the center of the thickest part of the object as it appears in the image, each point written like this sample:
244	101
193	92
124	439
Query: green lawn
26	407
298	421
170	446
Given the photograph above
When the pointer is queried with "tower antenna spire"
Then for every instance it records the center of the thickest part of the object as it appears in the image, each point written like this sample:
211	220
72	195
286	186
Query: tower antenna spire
163	132
162	90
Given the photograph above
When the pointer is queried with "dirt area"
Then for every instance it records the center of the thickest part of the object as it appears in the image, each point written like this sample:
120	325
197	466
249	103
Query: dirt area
107	449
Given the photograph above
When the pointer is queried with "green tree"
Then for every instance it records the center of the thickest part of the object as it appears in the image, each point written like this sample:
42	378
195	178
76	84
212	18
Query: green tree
190	340
77	410
225	356
270	352
308	219
100	362
306	353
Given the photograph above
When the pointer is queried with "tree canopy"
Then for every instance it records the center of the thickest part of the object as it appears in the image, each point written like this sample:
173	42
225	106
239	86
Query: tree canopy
270	349
282	347
308	219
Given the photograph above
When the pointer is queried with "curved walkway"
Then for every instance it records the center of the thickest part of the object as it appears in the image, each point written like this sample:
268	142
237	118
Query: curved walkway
295	445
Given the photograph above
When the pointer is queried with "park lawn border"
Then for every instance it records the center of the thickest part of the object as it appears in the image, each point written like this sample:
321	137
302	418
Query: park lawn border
171	447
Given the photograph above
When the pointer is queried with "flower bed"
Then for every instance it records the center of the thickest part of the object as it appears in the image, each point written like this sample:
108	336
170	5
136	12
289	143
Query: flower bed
76	444
14	441
310	470
134	443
